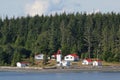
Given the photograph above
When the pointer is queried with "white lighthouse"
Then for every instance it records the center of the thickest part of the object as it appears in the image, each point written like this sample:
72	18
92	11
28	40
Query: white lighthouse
59	58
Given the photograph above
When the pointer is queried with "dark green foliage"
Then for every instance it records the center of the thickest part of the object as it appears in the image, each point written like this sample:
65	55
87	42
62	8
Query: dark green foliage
2	56
86	35
45	59
16	57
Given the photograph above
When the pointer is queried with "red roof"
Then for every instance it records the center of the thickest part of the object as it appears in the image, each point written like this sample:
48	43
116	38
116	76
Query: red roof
89	60
74	55
54	55
59	52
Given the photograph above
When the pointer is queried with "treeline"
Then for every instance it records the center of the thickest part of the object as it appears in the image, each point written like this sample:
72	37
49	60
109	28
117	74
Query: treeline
90	36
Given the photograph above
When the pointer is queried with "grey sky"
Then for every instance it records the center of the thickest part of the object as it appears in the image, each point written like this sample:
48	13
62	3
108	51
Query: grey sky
32	7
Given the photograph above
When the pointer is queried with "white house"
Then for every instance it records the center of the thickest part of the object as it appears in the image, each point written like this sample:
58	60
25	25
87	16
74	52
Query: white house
87	62
97	63
39	57
71	57
22	64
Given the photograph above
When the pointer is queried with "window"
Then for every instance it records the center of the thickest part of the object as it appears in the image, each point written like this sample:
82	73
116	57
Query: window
67	57
39	56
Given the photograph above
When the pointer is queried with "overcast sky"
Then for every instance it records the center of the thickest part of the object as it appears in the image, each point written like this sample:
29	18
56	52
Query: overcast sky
19	8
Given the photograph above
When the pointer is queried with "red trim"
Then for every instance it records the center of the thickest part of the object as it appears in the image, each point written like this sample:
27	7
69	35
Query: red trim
89	60
74	55
59	52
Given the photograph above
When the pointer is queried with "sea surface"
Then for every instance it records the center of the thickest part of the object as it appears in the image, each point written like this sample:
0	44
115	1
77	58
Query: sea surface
93	75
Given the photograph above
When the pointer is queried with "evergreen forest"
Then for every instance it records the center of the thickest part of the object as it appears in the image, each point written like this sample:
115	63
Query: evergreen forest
88	35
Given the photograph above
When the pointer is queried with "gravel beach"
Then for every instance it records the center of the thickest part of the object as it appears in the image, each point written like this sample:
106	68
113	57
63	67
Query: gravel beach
68	69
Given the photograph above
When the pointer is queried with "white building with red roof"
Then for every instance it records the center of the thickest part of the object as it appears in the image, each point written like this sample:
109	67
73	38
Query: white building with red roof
71	57
87	62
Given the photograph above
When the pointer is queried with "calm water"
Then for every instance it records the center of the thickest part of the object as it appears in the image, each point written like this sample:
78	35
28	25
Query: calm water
60	76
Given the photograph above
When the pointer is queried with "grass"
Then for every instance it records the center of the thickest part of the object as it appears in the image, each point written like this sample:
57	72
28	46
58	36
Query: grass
111	63
79	63
49	63
52	63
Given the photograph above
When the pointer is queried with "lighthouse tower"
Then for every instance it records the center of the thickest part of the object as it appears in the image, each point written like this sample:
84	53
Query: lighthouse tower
59	56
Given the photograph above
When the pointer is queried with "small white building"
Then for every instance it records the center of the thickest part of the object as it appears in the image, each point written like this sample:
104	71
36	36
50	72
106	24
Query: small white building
97	63
22	64
71	57
39	56
53	57
64	63
87	62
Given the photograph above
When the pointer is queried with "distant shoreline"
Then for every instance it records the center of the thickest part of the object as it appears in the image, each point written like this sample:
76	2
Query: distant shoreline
71	69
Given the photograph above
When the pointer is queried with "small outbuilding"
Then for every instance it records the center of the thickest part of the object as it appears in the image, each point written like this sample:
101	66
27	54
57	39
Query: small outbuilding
22	64
97	63
63	63
87	62
53	57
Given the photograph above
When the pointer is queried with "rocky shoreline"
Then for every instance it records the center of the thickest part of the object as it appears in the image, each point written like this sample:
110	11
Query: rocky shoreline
61	69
